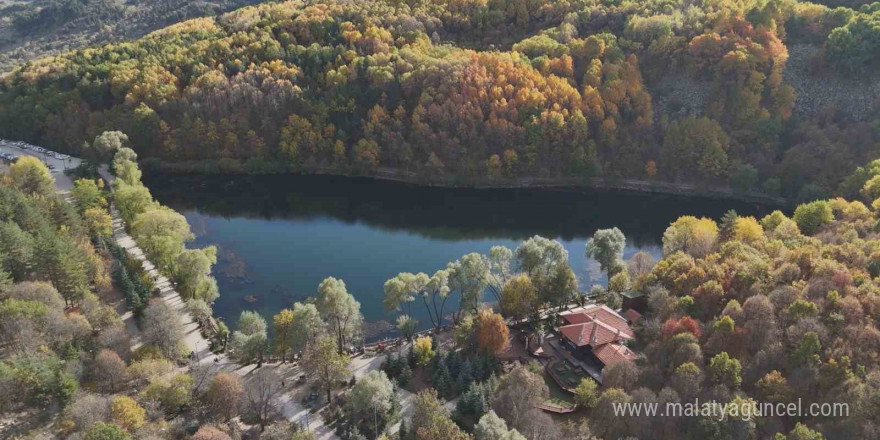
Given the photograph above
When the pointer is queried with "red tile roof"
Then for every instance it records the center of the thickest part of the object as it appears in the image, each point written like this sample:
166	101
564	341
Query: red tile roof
575	318
594	333
611	354
600	313
632	316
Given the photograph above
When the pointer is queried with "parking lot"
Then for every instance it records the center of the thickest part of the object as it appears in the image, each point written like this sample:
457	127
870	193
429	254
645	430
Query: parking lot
10	151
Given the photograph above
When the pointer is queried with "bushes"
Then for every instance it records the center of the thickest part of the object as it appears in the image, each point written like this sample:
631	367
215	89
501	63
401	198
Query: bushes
452	374
137	292
398	368
812	216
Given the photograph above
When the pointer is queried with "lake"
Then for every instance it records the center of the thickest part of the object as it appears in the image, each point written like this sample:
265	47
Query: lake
279	236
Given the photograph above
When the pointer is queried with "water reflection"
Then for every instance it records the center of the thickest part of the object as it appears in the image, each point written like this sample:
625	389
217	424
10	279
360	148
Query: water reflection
279	236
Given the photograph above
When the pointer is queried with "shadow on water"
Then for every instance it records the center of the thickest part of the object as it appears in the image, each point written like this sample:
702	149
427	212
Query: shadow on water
439	213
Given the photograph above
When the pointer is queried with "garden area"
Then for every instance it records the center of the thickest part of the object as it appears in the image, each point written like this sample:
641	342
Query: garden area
567	374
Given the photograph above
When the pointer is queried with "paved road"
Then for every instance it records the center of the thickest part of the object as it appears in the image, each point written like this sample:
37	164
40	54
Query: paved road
62	181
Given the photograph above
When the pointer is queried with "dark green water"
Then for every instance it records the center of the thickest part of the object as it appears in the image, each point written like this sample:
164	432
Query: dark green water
279	236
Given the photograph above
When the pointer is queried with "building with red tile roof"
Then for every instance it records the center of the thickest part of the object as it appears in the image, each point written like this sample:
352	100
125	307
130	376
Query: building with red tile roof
632	316
597	332
610	354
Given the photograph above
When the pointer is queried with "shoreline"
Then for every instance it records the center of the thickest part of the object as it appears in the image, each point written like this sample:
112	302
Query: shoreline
572	184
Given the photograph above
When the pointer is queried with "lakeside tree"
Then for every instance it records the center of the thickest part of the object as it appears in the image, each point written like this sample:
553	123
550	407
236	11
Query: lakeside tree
249	341
519	298
192	273
407	326
500	270
401	292
690	235
132	200
606	247
467	276
282	322
546	263
306	328
325	363
161	233
340	311
640	264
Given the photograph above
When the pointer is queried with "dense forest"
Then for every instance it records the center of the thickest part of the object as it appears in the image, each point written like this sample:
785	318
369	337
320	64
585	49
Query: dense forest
36	28
501	90
780	309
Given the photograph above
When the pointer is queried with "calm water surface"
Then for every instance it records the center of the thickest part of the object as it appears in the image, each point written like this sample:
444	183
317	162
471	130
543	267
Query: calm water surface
279	236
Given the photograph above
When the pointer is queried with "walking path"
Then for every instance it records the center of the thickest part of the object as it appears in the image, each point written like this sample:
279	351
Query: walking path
290	398
193	336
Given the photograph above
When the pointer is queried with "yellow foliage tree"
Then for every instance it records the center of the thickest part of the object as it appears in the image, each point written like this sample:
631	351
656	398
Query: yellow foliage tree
126	413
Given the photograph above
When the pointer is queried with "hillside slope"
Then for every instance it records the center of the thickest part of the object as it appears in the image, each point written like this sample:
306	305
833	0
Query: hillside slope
481	92
30	29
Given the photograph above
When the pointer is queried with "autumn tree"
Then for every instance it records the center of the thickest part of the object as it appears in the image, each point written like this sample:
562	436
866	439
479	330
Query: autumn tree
210	432
109	370
517	395
691	235
423	350
431	420
163	328
695	147
324	362
125	412
519	297
31	176
603	421
586	394
492	332
225	395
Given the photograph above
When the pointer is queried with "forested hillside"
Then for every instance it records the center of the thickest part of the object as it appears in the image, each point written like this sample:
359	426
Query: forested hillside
483	91
34	28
